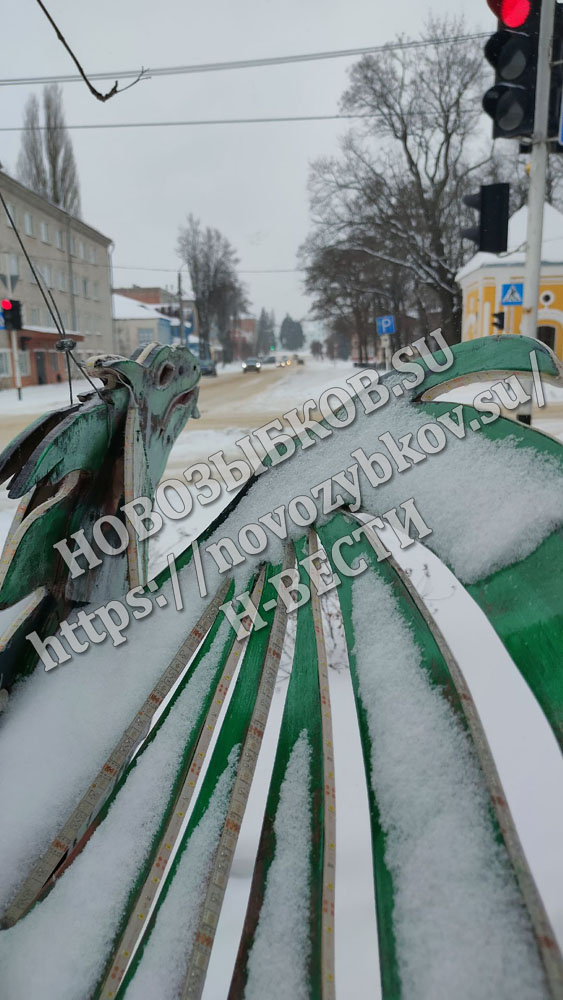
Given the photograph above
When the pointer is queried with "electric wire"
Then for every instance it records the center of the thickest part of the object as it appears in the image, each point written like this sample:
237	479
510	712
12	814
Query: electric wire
246	63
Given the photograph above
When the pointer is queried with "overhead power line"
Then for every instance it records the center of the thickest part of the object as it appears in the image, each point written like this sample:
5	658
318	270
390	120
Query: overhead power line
243	63
42	259
219	121
196	121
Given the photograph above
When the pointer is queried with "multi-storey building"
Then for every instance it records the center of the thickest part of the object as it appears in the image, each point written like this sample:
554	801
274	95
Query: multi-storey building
73	264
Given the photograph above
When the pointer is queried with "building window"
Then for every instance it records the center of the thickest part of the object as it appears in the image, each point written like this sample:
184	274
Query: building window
81	249
35	317
85	287
546	334
44	232
5	363
76	284
61	281
23	361
48	320
145	335
72	245
96	292
92	255
12	210
28	223
14	269
59	239
44	271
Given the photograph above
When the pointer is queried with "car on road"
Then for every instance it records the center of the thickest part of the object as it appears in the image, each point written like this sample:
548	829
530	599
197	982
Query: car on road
207	366
284	361
297	360
269	359
251	365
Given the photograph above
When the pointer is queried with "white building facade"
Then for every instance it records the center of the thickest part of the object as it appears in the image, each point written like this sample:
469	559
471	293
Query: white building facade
74	265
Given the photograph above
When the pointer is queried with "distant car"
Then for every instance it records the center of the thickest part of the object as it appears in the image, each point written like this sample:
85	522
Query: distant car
269	359
207	366
284	361
251	365
297	360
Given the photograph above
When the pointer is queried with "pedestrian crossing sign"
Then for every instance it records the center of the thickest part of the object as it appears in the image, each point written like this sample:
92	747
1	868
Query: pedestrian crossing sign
512	294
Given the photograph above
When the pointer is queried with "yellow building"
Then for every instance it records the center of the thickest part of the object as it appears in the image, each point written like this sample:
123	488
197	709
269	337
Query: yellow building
483	277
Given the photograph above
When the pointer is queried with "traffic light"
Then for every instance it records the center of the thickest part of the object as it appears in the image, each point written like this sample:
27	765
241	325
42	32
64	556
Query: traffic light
556	81
555	88
498	320
513	53
491	233
11	310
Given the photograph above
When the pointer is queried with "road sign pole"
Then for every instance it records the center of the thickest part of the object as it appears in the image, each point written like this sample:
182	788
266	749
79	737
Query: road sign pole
536	193
181	329
15	355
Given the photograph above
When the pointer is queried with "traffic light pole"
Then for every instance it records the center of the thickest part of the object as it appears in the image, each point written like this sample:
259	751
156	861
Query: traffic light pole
538	166
181	329
15	355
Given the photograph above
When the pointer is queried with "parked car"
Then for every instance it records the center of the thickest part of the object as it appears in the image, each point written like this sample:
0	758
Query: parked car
251	365
207	366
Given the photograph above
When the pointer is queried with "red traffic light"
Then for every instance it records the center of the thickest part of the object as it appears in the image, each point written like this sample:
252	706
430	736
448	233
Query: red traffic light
512	13
6	304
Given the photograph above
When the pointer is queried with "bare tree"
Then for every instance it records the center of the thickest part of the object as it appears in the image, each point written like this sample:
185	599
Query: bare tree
46	161
395	192
342	289
212	262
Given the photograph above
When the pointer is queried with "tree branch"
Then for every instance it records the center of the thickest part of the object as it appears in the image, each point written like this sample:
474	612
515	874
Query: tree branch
97	94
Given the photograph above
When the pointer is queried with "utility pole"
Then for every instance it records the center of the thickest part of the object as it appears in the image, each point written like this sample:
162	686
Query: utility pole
15	355
181	310
538	166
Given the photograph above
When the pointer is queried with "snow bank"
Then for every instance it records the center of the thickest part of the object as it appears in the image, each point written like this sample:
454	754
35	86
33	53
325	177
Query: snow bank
277	965
164	964
460	927
37	399
70	933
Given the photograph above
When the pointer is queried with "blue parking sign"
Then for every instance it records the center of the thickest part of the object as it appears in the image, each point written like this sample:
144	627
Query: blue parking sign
385	324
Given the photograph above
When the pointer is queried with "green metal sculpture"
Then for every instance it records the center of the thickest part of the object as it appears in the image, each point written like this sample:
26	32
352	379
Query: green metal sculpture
77	464
64	460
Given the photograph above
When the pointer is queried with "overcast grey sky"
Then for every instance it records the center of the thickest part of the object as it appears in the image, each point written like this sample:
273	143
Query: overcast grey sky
248	180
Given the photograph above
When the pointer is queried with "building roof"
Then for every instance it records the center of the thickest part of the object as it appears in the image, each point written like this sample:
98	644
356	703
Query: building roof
18	189
161	297
126	308
552	244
